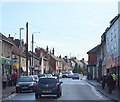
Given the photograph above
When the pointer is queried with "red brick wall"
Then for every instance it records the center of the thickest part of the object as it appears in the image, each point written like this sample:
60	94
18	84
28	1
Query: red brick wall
92	58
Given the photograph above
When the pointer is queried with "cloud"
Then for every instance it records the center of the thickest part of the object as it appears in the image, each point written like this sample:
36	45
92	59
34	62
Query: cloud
50	43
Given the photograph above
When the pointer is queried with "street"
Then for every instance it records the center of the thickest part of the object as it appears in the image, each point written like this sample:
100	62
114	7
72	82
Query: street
71	90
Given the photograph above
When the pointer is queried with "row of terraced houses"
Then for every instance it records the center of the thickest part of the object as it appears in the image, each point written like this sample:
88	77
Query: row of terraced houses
13	59
105	57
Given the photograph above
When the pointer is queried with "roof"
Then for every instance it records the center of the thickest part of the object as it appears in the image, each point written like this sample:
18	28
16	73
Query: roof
84	62
112	22
5	39
54	57
34	54
93	50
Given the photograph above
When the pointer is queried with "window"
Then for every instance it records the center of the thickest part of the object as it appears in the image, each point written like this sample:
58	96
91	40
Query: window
47	80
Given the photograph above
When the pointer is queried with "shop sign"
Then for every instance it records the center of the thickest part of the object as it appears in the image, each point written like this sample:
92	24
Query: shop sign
6	61
15	64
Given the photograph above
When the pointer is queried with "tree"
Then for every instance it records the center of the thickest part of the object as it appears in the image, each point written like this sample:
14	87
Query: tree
75	70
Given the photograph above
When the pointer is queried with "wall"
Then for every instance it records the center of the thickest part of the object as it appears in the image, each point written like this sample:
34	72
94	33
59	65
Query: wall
112	46
92	58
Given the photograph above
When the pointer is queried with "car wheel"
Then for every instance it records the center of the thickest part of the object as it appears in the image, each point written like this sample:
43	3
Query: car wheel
58	95
36	96
20	91
16	91
40	96
33	90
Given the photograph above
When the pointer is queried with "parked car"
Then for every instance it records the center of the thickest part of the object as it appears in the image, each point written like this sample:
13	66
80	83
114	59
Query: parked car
58	75
36	78
75	76
40	75
70	75
65	74
48	86
25	83
49	75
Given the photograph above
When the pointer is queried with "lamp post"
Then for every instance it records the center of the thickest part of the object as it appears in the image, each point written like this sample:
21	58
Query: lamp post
33	48
20	52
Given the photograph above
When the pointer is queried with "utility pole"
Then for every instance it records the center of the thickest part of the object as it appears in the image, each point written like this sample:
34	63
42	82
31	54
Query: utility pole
32	51
27	48
20	53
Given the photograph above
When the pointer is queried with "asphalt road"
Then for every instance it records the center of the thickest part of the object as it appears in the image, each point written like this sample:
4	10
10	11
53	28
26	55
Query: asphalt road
71	90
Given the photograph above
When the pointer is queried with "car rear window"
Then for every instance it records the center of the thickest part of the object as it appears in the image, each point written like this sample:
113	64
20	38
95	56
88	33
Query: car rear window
25	79
47	80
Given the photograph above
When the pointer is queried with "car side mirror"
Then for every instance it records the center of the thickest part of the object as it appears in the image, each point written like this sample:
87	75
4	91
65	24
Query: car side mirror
61	82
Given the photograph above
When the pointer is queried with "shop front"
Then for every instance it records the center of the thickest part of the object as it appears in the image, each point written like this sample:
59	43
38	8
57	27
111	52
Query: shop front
6	66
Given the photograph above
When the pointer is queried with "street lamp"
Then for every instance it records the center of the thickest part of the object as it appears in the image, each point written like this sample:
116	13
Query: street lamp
20	52
33	48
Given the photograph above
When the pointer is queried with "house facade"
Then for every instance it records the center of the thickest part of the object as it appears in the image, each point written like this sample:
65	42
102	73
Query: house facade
6	55
92	70
113	45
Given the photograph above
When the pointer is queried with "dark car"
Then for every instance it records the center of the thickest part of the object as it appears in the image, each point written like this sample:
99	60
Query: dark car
25	83
75	76
41	75
48	86
64	74
49	75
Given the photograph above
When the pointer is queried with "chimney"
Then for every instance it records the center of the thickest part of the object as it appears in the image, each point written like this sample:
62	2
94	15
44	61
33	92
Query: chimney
60	56
47	49
83	59
9	35
53	51
12	38
22	41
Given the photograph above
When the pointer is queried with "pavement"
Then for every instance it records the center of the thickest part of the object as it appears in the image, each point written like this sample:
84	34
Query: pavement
98	86
8	91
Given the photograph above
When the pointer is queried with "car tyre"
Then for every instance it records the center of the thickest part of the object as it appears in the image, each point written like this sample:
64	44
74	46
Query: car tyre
36	96
40	96
16	91
58	95
33	90
20	91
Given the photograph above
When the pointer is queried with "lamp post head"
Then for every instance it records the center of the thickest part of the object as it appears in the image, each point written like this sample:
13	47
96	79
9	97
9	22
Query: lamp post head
21	28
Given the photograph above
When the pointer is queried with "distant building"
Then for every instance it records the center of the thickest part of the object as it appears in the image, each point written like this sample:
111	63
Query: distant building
92	62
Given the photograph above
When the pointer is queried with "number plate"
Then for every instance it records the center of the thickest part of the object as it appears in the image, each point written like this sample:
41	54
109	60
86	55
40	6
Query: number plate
24	87
47	91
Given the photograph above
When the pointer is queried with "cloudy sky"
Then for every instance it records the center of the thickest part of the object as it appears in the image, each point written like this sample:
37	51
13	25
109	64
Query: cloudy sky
72	28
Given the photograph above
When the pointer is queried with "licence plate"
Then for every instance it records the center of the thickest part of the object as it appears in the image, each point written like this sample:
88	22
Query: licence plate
24	87
47	91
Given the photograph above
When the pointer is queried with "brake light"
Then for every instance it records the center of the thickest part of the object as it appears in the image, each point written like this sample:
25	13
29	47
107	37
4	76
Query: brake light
37	85
56	85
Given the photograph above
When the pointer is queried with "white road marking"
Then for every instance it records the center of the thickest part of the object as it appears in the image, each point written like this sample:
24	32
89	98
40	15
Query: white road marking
94	90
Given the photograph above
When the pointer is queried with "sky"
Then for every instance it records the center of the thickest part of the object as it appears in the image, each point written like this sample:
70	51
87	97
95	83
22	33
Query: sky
72	28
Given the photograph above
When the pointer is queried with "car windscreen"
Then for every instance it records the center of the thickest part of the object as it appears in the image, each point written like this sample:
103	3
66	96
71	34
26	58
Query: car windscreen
35	77
76	74
47	80
25	79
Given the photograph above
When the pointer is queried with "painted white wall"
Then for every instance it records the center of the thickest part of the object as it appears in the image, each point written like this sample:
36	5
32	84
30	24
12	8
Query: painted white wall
112	41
